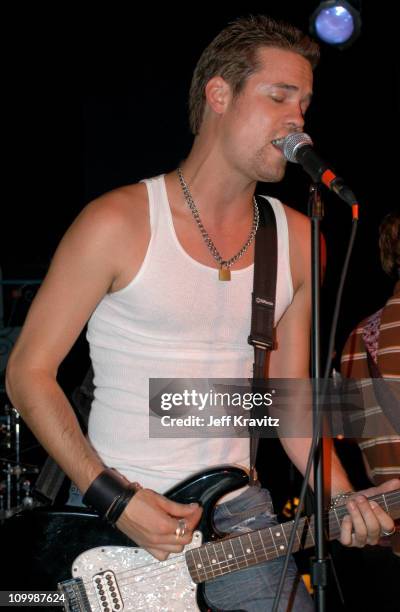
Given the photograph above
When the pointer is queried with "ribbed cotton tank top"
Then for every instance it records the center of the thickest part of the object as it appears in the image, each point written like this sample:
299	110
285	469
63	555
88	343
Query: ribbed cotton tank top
175	319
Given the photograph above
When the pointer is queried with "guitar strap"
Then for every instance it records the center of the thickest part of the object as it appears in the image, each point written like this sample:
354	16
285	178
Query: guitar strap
48	483
263	306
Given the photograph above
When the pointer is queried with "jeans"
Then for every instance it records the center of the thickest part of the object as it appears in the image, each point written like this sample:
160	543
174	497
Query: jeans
253	589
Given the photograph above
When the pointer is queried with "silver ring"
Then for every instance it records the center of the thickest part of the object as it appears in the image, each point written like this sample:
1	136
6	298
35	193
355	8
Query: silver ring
181	529
389	533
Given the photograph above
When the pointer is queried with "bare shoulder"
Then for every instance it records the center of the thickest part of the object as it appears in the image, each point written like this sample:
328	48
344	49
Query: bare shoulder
299	228
116	209
114	228
298	224
99	253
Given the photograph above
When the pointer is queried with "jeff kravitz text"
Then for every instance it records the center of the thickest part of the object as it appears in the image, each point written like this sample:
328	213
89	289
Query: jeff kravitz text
227	420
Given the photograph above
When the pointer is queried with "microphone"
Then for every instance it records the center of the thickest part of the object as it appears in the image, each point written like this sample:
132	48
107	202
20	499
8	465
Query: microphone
298	148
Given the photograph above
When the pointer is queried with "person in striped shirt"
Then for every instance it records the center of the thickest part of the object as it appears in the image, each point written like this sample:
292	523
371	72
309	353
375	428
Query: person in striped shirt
380	332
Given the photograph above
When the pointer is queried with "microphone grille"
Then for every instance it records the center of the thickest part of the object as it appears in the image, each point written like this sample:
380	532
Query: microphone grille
292	142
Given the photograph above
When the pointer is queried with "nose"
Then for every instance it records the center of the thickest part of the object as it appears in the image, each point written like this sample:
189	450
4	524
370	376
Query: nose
295	119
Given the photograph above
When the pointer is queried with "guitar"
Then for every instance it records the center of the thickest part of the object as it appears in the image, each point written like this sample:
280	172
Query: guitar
115	578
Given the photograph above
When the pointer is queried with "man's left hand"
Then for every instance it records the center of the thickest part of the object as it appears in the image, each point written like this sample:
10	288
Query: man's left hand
367	522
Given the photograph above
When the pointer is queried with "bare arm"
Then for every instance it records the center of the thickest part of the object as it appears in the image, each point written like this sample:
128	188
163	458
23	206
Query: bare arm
80	274
291	360
88	263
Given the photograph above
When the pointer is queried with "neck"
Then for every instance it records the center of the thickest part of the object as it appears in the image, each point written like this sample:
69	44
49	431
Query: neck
219	190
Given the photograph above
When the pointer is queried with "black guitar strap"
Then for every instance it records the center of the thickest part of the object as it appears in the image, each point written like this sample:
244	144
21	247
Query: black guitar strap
263	305
49	482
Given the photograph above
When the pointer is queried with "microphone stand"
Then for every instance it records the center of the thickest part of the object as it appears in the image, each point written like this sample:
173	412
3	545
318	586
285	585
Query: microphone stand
319	563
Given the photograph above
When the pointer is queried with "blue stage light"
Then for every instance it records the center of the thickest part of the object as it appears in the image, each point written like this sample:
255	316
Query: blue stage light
337	23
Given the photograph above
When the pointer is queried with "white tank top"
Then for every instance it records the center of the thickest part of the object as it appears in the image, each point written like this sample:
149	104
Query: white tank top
173	320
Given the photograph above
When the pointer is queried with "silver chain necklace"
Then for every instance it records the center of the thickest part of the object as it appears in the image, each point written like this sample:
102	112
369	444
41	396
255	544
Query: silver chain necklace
224	272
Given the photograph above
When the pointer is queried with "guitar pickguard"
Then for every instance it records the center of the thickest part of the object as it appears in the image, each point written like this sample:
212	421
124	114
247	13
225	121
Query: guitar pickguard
120	578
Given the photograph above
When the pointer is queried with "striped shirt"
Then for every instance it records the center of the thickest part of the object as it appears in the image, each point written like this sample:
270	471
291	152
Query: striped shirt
381	453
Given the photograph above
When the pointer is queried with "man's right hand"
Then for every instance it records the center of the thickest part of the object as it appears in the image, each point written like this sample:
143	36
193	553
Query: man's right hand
151	521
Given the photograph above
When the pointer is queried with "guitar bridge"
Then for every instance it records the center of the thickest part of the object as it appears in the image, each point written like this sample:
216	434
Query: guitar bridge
107	592
75	598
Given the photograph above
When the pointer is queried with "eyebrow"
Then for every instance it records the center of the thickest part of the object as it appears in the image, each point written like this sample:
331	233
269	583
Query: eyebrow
289	87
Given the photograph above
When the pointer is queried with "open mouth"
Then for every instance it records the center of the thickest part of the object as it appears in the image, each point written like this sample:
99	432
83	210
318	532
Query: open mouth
278	142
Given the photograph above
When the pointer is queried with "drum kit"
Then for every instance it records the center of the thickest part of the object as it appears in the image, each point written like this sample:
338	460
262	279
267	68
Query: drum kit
17	444
16	478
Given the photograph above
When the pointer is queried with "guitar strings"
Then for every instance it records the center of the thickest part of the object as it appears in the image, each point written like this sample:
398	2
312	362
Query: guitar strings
269	549
153	573
233	564
228	565
163	569
266	550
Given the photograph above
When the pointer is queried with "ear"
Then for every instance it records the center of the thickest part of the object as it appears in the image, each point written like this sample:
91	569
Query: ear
218	94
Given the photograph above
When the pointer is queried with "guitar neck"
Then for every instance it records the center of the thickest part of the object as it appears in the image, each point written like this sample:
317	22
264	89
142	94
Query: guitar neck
238	552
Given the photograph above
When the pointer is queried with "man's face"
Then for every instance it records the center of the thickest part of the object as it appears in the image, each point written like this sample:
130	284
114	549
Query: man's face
271	105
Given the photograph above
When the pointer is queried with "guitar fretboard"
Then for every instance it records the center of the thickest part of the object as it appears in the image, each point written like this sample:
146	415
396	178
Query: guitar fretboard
238	552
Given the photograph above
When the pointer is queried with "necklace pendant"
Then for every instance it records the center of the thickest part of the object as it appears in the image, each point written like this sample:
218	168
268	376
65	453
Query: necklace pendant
224	274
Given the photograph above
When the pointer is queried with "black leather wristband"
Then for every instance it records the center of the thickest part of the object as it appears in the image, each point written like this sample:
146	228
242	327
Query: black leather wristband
104	491
121	502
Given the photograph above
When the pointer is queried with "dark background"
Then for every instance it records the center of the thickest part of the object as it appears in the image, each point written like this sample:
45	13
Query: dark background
99	100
